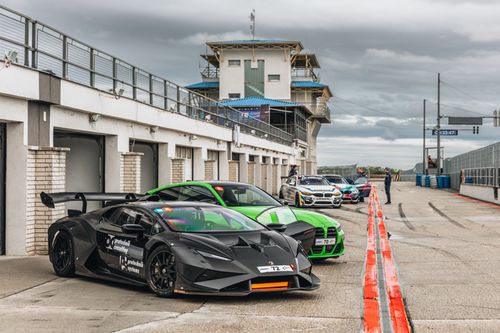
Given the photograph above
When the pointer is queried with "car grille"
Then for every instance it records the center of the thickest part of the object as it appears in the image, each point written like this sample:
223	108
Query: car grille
331	233
320	233
319	195
328	195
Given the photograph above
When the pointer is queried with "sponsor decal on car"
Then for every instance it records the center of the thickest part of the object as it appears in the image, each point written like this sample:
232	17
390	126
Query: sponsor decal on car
117	244
275	268
130	265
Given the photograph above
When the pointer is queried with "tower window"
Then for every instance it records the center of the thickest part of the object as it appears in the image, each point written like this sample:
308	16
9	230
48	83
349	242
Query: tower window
273	77
234	95
234	63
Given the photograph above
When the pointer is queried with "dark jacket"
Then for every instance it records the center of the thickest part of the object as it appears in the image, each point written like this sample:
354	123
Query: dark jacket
388	179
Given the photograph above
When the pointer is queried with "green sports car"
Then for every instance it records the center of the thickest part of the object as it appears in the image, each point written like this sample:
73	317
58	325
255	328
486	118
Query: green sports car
262	207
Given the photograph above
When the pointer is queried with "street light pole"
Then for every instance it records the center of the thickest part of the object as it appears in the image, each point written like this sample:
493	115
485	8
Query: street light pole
423	149
439	126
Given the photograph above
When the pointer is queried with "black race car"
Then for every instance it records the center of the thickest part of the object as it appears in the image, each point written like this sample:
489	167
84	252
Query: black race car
175	247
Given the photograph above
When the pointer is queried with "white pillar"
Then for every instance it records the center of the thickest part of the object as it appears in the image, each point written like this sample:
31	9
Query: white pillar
223	166
199	157
15	190
258	170
244	167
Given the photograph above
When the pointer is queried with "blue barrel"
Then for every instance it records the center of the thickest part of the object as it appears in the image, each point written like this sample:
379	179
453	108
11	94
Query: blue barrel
419	179
447	181
440	181
427	181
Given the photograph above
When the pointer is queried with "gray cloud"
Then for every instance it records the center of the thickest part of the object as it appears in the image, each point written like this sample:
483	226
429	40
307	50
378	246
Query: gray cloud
379	57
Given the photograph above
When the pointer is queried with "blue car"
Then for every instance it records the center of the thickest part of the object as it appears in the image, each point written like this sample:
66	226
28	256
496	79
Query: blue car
350	193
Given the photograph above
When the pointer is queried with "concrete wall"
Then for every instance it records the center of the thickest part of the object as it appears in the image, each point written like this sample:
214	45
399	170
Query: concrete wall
232	78
484	193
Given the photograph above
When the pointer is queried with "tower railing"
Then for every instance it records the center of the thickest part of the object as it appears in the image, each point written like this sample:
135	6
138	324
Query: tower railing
38	46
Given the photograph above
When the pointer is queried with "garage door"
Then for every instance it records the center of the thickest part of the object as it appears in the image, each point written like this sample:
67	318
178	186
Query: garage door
187	154
2	187
84	163
149	163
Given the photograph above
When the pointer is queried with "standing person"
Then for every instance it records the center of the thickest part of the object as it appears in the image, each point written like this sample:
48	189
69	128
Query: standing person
293	170
387	183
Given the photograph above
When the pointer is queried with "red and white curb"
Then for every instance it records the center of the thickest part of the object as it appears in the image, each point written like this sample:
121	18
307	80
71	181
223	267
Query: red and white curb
381	290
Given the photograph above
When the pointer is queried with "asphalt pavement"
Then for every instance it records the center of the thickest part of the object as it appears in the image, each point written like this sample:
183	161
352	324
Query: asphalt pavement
446	251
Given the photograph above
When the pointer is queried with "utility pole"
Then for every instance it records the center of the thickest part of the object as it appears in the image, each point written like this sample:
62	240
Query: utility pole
423	149
438	162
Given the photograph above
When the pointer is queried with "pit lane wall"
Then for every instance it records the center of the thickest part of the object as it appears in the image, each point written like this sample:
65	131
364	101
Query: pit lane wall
34	105
476	174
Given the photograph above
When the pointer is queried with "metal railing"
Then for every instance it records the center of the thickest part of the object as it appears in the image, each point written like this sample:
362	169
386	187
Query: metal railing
482	177
210	72
43	48
304	73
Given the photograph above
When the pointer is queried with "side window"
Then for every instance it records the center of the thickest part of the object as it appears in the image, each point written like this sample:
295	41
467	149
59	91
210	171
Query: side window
170	194
197	193
291	181
127	216
111	215
150	226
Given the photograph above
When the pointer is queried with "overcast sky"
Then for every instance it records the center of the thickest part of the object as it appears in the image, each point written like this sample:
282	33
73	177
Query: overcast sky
380	58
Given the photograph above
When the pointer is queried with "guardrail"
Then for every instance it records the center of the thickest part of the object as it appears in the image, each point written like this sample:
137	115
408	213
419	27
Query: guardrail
482	177
44	48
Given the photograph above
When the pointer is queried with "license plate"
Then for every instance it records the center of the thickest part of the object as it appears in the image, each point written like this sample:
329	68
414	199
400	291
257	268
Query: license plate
325	241
275	268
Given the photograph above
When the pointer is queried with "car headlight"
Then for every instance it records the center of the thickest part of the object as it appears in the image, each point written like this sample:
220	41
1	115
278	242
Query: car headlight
355	190
212	256
337	194
306	193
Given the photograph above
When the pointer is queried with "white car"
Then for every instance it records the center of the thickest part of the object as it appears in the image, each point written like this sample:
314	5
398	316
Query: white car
308	191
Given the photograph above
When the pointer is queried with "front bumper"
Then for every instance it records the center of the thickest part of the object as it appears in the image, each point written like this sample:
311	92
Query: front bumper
242	285
316	200
328	251
350	197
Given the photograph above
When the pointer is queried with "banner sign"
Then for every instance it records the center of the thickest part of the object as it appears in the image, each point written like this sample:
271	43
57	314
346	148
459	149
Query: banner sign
465	120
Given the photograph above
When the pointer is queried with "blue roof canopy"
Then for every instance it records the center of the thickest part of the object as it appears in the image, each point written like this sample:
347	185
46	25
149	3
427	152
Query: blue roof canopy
256	101
307	84
203	85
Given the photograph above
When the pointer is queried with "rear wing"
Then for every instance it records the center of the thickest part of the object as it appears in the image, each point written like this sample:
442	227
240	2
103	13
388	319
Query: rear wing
50	199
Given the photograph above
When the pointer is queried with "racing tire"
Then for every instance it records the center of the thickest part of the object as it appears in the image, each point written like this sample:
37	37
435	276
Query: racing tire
62	254
361	199
297	201
161	271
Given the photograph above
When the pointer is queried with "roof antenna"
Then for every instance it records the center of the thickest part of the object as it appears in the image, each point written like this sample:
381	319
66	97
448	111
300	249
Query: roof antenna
252	23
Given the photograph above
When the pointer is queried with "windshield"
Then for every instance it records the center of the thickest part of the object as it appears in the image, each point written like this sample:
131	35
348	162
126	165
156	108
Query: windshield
244	195
206	219
336	179
313	181
361	180
282	215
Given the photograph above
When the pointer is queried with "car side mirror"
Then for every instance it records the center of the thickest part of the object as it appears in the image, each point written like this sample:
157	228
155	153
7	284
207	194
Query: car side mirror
133	229
277	227
283	202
